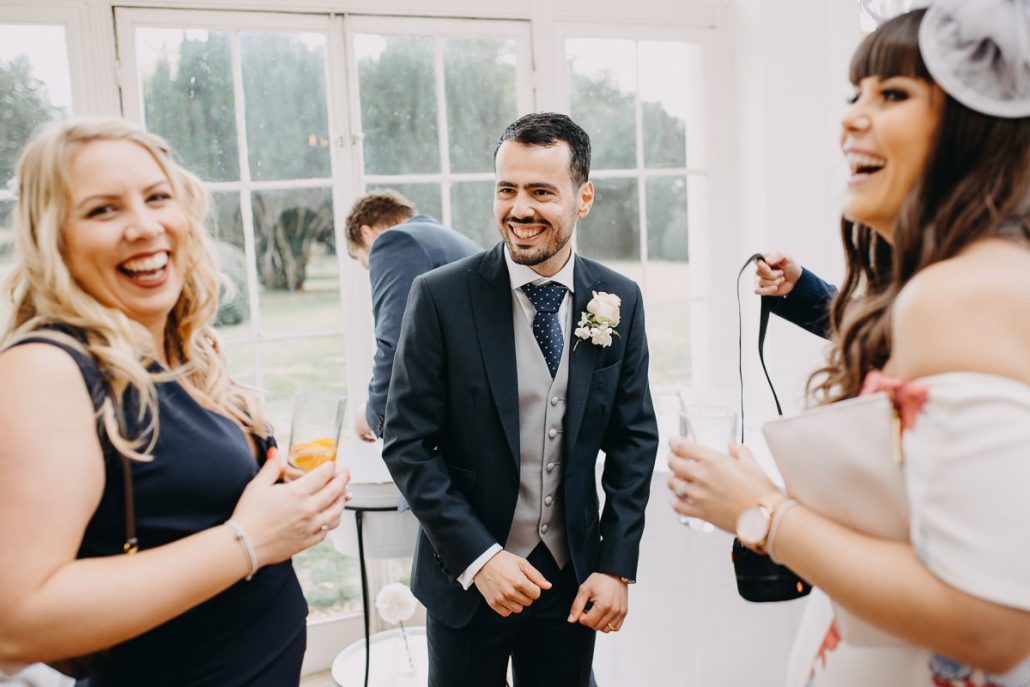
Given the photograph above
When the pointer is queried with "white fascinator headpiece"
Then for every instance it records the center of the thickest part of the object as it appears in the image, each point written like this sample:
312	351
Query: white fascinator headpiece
978	51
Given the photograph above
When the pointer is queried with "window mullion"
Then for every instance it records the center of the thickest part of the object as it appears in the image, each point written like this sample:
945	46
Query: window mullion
638	115
246	207
441	124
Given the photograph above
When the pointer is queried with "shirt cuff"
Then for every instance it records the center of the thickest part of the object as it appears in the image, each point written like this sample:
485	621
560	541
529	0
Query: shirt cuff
469	574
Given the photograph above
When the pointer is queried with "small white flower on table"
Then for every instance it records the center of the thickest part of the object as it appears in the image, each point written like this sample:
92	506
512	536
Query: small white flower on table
395	604
600	319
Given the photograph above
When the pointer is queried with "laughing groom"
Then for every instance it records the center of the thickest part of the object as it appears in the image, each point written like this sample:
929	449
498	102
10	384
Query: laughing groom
514	368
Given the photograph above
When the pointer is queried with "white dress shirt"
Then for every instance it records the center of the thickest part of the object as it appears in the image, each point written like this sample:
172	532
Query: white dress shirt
519	276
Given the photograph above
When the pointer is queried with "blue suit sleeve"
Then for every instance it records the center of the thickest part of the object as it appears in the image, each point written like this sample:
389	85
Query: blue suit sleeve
808	304
393	263
630	445
417	412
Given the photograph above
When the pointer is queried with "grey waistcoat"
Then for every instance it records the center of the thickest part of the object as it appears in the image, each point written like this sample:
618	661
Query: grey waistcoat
539	513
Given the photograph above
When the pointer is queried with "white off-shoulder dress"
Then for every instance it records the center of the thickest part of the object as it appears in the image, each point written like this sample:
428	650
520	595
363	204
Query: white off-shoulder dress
967	474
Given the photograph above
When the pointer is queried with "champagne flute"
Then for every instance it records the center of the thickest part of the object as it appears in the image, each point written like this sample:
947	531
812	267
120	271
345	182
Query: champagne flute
315	432
711	425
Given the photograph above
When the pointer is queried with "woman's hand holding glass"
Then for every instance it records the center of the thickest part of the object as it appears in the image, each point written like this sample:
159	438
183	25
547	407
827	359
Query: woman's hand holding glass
284	518
714	486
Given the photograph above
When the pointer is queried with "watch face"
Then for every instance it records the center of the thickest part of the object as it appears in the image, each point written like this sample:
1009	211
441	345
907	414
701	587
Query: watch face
752	526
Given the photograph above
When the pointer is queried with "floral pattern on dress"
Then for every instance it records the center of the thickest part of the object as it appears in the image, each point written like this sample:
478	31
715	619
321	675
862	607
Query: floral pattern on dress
829	644
949	673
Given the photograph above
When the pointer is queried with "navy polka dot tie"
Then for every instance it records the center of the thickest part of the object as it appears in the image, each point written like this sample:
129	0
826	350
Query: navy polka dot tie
547	298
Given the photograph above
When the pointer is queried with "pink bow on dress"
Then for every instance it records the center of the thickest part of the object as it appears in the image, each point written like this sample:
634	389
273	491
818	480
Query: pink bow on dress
908	396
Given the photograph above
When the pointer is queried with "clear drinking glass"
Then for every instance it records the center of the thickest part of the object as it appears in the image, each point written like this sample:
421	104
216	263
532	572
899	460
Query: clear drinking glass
711	425
315	433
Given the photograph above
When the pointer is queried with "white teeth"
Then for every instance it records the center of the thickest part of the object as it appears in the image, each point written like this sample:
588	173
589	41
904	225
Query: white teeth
148	264
524	232
857	161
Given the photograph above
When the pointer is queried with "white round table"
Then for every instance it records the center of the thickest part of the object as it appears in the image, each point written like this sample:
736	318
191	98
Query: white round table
390	666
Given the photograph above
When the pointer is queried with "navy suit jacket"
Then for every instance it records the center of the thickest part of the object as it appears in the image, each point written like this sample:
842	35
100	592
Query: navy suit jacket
808	304
452	428
398	255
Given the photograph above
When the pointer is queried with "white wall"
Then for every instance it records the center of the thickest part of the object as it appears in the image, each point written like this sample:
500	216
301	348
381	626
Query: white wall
791	84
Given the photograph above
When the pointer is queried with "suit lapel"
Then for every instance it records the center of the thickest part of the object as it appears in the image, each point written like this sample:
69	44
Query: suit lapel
491	310
583	359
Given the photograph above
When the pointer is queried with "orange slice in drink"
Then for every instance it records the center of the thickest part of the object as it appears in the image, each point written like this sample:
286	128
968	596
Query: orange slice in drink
310	454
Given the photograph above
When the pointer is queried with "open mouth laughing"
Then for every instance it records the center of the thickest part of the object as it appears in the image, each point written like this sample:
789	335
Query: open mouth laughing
146	270
863	165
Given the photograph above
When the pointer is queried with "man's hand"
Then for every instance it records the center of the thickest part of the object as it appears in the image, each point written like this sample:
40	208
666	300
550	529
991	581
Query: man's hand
777	274
610	598
509	583
361	427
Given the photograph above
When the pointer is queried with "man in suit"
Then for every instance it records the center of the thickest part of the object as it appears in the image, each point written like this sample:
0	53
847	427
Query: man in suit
395	244
496	414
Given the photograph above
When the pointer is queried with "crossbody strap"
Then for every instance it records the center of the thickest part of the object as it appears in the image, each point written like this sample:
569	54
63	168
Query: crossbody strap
131	544
763	326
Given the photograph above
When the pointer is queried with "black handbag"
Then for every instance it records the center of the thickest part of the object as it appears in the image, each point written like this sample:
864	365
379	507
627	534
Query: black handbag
80	667
759	579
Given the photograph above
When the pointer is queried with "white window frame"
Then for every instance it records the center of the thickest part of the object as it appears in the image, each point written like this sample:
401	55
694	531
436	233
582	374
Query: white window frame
325	636
352	282
439	29
706	178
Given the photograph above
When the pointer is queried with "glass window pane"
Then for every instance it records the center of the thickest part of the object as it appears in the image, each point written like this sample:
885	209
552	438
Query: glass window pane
284	91
667	219
602	87
472	205
479	76
426	197
188	97
6	252
397	89
225	224
242	361
296	261
288	367
611	232
330	580
668	285
35	86
664	108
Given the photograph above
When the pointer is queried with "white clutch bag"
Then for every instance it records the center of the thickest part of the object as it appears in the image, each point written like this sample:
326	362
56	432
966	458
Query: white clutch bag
844	461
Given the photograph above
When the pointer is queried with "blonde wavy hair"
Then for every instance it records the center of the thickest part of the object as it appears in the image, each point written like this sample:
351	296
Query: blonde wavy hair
45	293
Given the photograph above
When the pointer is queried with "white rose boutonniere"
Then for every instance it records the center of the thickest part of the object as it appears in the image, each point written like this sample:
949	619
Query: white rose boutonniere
600	319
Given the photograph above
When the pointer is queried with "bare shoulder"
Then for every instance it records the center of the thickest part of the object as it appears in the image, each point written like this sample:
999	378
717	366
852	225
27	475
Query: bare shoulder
969	313
47	415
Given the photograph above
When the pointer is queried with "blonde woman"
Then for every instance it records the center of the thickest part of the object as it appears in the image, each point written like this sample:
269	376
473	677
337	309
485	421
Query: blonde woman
110	353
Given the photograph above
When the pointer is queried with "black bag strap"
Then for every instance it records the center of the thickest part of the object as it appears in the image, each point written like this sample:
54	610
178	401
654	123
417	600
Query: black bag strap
763	326
131	544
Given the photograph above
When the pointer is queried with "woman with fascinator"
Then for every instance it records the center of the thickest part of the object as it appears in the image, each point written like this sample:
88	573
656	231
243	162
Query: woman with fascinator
139	532
935	310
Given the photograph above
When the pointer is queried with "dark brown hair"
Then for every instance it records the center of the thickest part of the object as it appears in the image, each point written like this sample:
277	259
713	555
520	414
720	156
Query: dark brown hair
381	207
976	184
548	129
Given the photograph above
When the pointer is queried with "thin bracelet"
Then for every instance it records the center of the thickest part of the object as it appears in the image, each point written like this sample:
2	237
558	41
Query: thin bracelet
248	548
780	511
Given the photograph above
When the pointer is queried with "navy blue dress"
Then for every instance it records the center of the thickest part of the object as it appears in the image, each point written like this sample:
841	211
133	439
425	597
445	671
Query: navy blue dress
251	634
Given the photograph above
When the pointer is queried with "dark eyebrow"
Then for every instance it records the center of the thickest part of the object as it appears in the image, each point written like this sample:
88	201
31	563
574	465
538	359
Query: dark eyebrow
102	196
531	185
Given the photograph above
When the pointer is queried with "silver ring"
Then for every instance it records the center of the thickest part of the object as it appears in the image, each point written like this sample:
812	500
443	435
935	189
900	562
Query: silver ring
680	490
324	526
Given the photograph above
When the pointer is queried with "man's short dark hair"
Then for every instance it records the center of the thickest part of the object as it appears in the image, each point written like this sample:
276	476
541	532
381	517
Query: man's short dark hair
546	129
382	207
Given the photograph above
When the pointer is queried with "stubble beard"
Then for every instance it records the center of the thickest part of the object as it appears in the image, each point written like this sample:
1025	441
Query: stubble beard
531	257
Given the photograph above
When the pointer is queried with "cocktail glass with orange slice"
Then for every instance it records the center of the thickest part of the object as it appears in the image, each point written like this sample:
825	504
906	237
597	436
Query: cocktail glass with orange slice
315	433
